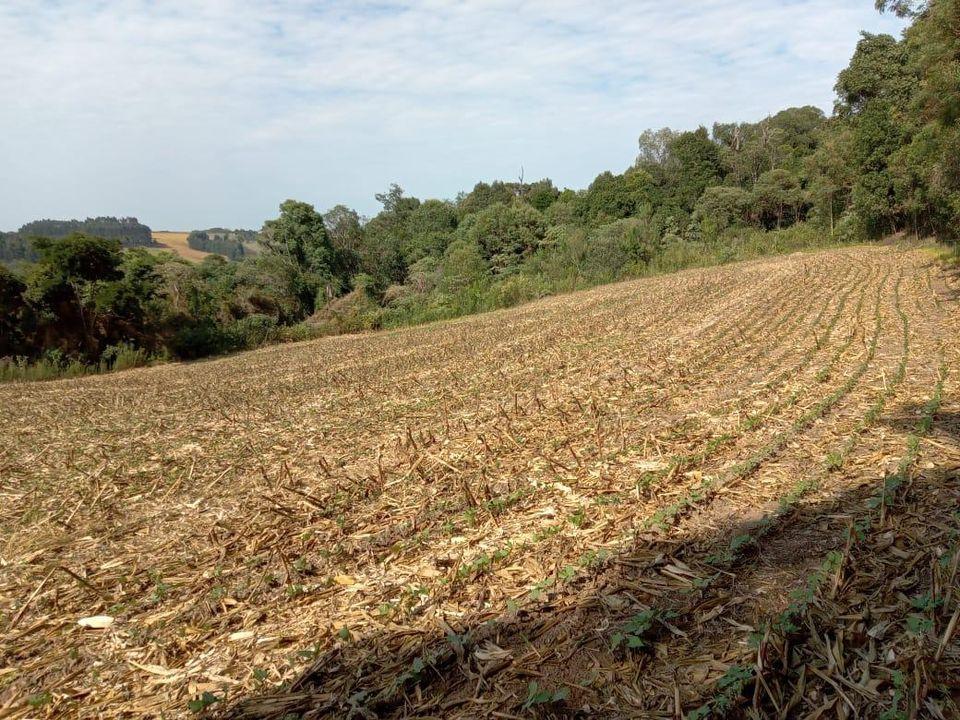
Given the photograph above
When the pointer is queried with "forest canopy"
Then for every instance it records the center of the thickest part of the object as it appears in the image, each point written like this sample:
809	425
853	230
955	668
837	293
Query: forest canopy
18	246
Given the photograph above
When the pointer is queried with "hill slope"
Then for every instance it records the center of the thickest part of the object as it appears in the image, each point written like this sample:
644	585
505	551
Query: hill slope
623	495
176	242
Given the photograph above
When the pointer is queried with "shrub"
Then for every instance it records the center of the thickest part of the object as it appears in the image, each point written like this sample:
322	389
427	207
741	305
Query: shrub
123	356
197	339
354	312
252	331
517	289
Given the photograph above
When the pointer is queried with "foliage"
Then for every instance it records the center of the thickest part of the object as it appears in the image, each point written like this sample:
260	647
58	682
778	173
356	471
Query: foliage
540	696
505	233
886	161
221	242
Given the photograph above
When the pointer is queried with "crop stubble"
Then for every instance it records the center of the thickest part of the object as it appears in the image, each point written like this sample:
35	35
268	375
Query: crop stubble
422	522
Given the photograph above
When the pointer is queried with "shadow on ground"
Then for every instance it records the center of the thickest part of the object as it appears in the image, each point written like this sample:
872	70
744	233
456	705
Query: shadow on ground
482	665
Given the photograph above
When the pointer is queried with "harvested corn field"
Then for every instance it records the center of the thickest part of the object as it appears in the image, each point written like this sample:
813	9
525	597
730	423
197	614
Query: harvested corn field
727	492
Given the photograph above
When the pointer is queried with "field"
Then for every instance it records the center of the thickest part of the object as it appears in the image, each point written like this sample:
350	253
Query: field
709	494
176	242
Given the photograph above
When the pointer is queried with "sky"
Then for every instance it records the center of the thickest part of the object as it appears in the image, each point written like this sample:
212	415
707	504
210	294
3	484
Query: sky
193	114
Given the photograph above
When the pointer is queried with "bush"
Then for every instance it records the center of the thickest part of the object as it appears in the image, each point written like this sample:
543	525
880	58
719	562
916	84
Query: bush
123	356
517	289
295	333
199	339
354	312
252	331
54	364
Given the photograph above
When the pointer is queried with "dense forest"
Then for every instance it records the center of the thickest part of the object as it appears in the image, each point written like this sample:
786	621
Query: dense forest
886	161
18	246
232	244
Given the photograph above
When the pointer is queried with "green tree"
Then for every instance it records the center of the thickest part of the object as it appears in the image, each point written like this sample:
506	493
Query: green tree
344	228
82	304
655	148
541	194
301	235
695	165
462	266
13	311
721	207
777	196
831	174
484	195
386	237
429	229
612	197
878	71
505	234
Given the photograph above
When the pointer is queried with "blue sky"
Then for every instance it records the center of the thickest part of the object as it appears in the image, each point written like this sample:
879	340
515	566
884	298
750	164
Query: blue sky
196	114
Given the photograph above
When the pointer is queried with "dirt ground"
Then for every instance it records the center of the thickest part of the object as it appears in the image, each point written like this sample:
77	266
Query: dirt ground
731	492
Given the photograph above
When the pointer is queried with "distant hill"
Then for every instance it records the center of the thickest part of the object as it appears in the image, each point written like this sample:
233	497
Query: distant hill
198	244
233	244
17	246
176	242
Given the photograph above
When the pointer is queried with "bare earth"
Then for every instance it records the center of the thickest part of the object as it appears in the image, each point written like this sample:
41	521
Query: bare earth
748	475
176	242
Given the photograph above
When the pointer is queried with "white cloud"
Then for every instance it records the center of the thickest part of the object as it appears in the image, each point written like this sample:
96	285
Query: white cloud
200	113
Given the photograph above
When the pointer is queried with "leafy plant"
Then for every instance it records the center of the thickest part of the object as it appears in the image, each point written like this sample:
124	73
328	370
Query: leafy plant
200	704
539	696
631	634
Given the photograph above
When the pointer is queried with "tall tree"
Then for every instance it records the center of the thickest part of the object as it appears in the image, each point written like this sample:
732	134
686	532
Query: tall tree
300	235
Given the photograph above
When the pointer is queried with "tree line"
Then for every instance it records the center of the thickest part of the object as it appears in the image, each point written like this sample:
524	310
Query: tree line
232	244
887	160
18	246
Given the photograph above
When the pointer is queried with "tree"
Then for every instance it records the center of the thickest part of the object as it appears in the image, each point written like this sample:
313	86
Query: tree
387	236
462	266
612	197
695	165
541	194
301	235
428	230
877	71
655	147
484	195
903	8
832	175
933	42
875	121
344	228
13	310
81	302
775	193
799	129
721	207
505	234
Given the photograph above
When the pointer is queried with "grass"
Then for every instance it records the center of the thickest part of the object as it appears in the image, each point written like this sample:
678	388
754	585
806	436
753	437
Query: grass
56	366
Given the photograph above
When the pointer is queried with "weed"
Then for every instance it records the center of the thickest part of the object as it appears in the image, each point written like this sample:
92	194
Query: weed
631	634
39	700
728	690
538	696
200	704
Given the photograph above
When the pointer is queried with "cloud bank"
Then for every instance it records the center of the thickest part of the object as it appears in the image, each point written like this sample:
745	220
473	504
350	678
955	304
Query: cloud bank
191	114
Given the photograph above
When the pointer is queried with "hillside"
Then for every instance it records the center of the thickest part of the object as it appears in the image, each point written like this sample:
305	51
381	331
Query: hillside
722	488
176	242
